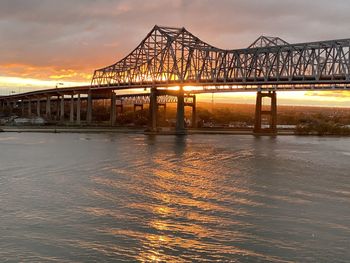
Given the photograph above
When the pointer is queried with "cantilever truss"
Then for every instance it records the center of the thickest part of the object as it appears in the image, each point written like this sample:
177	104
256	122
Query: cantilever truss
265	41
173	56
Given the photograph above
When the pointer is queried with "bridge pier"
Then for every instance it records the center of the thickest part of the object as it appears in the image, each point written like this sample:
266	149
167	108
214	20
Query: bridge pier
38	111
194	111
180	113
62	109
78	109
48	107
57	111
89	108
153	105
272	113
22	107
29	107
71	112
113	111
10	106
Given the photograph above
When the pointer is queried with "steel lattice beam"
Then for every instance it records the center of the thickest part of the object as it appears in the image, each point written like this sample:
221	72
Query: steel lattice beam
173	56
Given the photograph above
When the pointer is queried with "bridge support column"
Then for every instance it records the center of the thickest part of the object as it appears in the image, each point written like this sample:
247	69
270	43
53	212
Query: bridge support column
71	112
48	107
272	113
29	107
38	107
180	113
57	112
78	109
89	108
9	105
153	105
62	109
22	107
113	108
194	112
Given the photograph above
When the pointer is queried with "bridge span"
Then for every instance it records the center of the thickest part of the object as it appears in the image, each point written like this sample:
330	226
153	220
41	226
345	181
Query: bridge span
173	57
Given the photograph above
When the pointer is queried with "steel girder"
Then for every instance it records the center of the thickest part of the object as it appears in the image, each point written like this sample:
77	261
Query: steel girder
173	57
145	99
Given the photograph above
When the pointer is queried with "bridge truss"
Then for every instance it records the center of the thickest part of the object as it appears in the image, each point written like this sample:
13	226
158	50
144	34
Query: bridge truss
175	57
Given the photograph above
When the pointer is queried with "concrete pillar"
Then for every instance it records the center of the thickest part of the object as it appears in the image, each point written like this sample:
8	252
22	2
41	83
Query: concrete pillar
89	108
29	107
71	113
272	113
38	107
10	106
258	109
78	109
48	107
153	110
180	114
62	108
194	112
113	109
22	107
57	108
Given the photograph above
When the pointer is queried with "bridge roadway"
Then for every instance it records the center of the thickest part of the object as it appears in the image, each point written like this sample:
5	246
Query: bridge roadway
173	57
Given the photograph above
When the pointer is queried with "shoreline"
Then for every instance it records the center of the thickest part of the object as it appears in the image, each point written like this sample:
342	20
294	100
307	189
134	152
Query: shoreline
163	131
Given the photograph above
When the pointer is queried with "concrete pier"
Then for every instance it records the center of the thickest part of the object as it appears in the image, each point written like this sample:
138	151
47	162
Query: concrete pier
89	108
271	114
180	113
153	110
113	114
62	109
29	107
48	107
78	109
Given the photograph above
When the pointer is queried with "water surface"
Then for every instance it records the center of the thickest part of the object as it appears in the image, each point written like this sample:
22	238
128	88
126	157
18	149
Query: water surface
205	198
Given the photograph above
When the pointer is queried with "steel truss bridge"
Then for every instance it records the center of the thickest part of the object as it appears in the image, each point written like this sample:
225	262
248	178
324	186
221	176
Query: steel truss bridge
173	57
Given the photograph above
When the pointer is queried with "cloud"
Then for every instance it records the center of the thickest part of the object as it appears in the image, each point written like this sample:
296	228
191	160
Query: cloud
336	94
83	35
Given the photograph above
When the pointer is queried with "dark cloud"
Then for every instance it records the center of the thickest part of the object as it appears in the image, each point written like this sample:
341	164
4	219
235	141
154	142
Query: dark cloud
85	34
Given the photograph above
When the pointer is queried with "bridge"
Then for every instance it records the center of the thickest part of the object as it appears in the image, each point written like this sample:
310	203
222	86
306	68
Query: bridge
173	57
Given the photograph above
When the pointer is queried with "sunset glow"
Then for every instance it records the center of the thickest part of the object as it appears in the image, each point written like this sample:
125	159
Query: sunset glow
38	52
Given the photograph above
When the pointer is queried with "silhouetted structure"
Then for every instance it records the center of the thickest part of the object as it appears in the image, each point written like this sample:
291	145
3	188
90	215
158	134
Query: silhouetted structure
170	57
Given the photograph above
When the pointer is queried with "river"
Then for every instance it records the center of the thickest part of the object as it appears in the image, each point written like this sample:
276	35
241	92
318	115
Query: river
198	198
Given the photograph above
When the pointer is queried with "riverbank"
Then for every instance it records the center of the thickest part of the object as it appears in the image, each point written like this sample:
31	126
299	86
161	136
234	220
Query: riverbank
70	129
139	130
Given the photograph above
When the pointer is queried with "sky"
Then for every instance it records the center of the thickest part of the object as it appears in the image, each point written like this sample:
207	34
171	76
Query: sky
45	42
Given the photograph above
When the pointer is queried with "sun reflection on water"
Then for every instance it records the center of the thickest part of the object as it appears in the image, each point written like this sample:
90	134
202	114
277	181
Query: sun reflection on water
180	204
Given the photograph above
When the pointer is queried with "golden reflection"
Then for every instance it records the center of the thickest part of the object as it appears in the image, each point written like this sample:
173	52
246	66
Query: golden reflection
180	210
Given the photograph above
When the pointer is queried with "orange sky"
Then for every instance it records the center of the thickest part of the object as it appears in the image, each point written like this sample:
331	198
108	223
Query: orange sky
64	41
